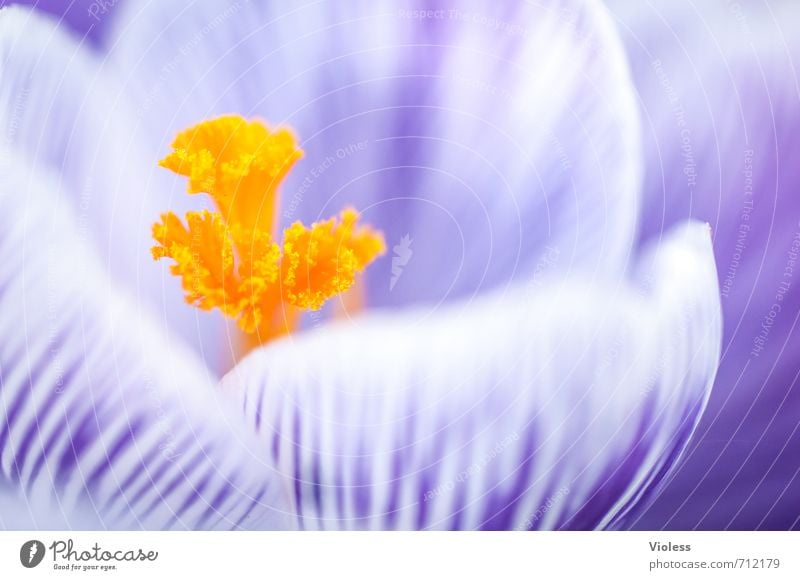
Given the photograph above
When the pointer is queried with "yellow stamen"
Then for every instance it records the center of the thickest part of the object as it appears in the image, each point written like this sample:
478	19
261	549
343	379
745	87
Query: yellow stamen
239	163
228	259
321	261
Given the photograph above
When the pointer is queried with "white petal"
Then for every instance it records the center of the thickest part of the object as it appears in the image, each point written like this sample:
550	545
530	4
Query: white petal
489	135
19	512
99	408
63	112
561	407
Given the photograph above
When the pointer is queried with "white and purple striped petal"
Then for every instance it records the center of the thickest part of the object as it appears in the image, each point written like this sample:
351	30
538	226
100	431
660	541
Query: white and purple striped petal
98	407
563	407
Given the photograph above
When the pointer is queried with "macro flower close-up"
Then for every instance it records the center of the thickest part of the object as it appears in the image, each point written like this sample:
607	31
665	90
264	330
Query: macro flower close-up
399	265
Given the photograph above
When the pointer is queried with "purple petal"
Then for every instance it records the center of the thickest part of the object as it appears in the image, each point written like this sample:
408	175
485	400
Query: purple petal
490	137
88	18
719	90
559	408
98	407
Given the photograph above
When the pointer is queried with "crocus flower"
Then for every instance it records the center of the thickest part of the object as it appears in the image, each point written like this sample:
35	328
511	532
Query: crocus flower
516	360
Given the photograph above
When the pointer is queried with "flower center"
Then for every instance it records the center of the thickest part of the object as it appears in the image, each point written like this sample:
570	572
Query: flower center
229	259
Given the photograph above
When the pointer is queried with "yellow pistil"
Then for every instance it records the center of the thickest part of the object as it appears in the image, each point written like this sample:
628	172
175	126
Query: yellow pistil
229	259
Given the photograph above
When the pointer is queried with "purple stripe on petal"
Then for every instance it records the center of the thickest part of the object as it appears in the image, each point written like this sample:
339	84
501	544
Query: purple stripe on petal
23	392
192	498
339	490
150	482
248	514
503	515
27	441
316	477
126	484
125	440
81	434
174	484
297	449
214	506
